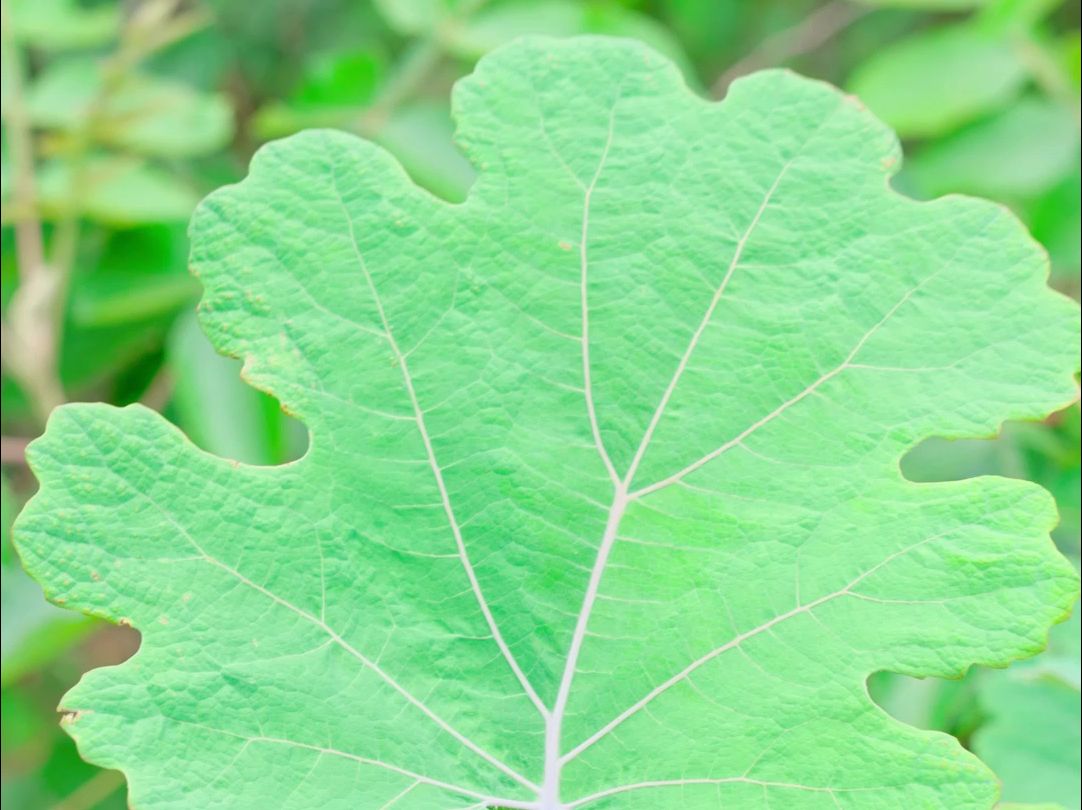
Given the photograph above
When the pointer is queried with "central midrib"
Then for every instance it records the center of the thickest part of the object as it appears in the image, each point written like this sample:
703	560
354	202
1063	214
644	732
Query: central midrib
550	785
549	796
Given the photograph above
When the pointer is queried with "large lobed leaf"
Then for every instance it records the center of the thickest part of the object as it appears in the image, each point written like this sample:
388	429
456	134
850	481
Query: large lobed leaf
602	506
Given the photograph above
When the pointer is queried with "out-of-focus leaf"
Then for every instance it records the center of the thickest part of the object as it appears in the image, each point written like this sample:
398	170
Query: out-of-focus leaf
492	27
1032	740
140	274
937	80
102	336
116	190
264	61
32	631
1018	153
932	703
142	113
42	769
278	119
420	136
62	95
1070	51
146	298
929	5
1056	220
204	58
414	16
349	78
711	31
1016	15
218	411
64	24
335	89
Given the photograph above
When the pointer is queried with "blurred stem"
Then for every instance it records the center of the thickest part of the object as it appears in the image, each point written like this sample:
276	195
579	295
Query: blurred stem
30	245
30	339
822	25
151	28
92	792
34	333
13	449
160	391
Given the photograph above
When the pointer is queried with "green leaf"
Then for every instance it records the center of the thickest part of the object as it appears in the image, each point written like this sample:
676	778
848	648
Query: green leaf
142	113
1056	220
1019	153
651	568
936	80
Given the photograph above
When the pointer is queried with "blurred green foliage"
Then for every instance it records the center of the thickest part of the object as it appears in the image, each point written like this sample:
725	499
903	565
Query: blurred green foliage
119	116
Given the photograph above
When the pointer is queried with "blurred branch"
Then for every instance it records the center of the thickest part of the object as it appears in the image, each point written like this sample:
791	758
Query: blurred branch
156	25
160	391
30	339
822	25
92	792
33	333
13	449
30	246
152	27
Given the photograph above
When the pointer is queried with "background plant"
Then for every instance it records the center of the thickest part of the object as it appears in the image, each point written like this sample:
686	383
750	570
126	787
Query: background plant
118	117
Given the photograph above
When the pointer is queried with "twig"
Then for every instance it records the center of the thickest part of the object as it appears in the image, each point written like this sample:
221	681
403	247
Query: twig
13	449
34	332
91	792
29	242
160	391
821	25
30	341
